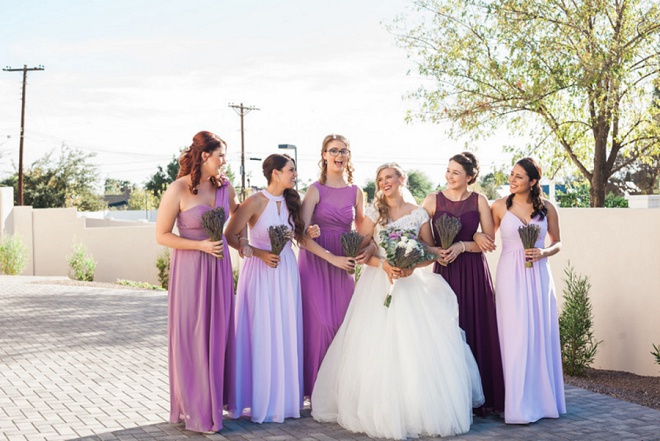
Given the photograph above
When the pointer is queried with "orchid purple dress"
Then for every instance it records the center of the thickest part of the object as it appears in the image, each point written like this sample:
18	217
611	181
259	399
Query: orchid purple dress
268	320
326	289
529	329
200	327
469	277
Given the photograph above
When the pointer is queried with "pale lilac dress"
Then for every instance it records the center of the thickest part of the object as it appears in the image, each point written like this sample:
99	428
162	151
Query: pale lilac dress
527	321
268	320
326	289
200	327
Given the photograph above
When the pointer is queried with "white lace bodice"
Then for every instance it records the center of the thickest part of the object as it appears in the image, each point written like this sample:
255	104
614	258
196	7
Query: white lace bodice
412	221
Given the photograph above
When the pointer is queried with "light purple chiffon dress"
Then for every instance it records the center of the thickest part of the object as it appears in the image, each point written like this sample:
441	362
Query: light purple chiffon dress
529	330
268	320
200	327
326	289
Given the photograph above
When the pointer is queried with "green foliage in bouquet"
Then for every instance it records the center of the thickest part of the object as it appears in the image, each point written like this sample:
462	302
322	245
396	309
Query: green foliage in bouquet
213	222
447	227
578	345
350	242
13	255
163	266
656	353
529	234
279	235
81	264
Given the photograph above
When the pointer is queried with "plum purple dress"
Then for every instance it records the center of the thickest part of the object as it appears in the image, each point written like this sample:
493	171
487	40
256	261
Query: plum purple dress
326	289
529	330
268	320
469	277
200	327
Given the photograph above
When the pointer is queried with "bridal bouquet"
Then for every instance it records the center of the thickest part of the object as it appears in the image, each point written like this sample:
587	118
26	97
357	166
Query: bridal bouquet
350	242
448	227
213	222
279	235
403	250
529	234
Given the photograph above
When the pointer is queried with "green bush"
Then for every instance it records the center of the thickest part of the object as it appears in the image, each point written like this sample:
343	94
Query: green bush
134	284
656	353
81	264
578	346
13	255
163	265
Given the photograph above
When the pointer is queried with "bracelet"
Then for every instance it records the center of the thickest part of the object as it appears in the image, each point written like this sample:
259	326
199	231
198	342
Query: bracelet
462	243
242	238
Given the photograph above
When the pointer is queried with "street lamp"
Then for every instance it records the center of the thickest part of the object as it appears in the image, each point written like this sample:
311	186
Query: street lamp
295	155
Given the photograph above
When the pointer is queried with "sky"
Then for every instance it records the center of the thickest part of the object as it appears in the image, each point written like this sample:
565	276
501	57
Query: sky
133	80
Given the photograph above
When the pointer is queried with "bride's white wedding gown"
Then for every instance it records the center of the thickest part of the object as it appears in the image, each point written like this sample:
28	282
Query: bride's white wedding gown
403	371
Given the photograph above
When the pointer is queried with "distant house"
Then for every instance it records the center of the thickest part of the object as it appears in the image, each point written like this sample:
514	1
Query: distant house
118	201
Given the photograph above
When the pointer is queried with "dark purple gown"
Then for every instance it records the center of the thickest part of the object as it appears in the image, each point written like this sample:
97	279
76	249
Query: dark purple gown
470	279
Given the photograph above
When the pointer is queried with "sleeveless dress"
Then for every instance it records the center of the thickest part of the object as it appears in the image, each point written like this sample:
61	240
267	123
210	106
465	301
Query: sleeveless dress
529	330
469	277
326	289
268	318
200	327
402	371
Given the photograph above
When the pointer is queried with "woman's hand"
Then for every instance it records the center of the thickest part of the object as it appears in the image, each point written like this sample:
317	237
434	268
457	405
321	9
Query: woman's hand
366	254
534	254
270	259
245	251
485	242
394	273
451	253
313	231
345	263
214	248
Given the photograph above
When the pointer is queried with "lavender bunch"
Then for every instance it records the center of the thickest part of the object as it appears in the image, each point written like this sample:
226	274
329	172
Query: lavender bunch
213	222
447	227
529	234
350	242
279	235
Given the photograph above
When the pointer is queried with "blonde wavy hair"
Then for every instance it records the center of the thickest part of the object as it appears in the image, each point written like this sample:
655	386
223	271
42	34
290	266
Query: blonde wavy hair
324	166
379	198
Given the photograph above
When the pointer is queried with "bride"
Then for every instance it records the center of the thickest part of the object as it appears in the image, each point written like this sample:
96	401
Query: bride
403	371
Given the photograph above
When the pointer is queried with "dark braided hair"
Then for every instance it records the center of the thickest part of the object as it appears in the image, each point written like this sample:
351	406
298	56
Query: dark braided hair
190	162
278	161
470	164
534	172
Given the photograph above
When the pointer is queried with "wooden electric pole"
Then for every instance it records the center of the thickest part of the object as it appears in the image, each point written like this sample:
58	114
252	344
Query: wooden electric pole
25	70
242	111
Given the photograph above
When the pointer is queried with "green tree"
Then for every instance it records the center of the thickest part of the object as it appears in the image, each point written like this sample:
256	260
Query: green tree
419	184
488	184
369	190
116	186
65	182
142	199
158	183
575	77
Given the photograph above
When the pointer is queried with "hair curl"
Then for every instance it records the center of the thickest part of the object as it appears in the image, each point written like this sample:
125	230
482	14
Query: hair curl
534	172
190	161
278	161
379	198
470	164
323	165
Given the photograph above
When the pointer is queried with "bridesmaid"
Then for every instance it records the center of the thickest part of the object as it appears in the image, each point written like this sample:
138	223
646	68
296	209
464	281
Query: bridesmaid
201	287
333	203
268	315
464	267
526	301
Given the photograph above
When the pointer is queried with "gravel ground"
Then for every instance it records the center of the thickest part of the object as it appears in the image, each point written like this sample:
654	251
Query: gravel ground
622	385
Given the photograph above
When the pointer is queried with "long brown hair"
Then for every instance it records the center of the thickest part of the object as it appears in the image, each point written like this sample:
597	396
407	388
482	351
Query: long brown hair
533	171
278	161
324	165
190	162
379	198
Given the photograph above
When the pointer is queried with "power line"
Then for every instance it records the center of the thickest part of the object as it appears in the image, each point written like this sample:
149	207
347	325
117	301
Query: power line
25	70
242	111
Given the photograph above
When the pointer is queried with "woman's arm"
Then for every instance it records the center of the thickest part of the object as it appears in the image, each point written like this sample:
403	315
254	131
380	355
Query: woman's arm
535	254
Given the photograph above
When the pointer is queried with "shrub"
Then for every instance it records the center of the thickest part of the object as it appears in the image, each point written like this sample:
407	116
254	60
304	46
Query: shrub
163	265
656	353
81	264
141	285
13	255
235	273
578	346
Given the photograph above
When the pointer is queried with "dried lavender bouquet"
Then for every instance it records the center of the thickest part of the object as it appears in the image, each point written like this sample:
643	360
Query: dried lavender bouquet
279	235
448	227
350	242
529	234
213	222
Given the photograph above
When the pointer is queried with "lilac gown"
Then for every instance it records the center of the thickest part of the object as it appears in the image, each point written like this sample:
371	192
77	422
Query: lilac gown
200	327
268	320
326	289
469	277
529	330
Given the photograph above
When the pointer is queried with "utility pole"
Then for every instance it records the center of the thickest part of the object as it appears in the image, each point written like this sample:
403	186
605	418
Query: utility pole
25	70
242	111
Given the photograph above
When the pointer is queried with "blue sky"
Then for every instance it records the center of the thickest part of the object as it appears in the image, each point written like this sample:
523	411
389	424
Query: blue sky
133	81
